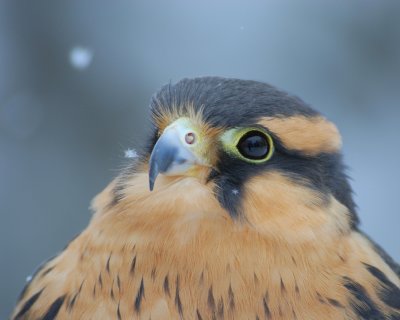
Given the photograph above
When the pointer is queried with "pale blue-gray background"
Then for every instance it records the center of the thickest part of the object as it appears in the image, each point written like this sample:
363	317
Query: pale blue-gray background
64	123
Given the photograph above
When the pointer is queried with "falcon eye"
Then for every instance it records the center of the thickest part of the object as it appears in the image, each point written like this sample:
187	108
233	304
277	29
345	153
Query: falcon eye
254	145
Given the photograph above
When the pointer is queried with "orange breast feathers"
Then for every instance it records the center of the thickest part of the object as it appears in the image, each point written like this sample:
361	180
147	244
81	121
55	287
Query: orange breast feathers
153	255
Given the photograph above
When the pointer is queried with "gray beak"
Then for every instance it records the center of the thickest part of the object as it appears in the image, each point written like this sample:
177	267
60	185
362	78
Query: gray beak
161	159
170	156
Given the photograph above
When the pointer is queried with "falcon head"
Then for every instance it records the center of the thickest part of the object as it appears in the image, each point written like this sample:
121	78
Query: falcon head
267	158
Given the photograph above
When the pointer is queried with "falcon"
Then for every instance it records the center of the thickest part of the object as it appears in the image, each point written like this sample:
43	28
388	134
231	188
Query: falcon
238	206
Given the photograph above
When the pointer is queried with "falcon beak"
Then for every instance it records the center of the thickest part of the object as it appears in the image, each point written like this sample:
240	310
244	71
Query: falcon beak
175	151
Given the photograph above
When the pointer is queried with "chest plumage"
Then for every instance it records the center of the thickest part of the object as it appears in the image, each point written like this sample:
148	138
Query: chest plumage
236	227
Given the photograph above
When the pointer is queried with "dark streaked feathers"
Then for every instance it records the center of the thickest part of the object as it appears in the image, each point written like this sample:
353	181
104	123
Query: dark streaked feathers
388	292
27	305
54	308
362	304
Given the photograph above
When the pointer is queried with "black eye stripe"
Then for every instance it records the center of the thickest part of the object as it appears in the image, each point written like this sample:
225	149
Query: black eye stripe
254	145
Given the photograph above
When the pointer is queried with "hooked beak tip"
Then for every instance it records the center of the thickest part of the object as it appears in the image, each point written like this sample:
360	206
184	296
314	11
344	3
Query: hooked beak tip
153	173
151	183
161	158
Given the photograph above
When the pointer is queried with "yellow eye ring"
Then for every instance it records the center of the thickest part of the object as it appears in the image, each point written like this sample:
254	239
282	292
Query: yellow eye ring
252	145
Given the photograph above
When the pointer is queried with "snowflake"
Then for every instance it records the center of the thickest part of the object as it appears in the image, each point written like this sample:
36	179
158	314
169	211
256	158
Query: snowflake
130	153
80	57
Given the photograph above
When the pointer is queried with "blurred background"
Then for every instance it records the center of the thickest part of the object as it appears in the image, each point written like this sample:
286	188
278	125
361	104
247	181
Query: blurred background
76	78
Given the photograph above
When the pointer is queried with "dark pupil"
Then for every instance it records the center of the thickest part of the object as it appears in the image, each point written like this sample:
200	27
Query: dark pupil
253	145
